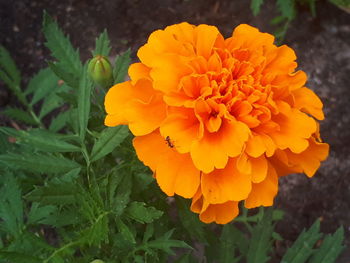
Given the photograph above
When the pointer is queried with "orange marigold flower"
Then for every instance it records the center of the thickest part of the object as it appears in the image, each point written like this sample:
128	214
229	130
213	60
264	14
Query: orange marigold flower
219	120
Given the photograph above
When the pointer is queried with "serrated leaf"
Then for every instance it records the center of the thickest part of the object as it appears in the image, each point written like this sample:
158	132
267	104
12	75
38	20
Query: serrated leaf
63	217
41	140
18	257
59	122
330	249
148	233
41	85
98	231
85	86
5	145
10	75
255	5
38	214
9	68
109	139
139	212
261	240
119	189
190	220
102	45
53	101
302	248
38	163
11	206
125	231
166	244
277	20
60	46
121	67
59	191
61	72
228	241
19	115
287	8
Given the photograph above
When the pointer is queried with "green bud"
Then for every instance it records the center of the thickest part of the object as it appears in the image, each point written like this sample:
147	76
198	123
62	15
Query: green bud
100	71
97	261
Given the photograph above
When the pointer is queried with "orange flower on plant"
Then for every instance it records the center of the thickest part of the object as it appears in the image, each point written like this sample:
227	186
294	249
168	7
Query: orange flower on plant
219	120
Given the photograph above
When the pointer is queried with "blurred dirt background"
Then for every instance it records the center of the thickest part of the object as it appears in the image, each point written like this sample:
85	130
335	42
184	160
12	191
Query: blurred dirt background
322	44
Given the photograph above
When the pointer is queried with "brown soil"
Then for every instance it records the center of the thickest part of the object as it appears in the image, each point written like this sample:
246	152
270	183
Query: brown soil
322	45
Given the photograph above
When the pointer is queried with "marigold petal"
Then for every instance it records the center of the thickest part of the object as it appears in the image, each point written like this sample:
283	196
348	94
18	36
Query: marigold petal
263	193
168	71
281	61
306	100
246	36
138	71
117	96
175	173
220	213
214	149
114	120
226	184
206	37
295	128
310	159
183	128
259	168
145	117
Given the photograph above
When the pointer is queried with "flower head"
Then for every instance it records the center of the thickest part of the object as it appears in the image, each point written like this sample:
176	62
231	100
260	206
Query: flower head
219	120
100	70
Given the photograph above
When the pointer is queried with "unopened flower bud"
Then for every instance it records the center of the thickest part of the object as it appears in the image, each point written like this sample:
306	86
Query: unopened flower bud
100	70
97	261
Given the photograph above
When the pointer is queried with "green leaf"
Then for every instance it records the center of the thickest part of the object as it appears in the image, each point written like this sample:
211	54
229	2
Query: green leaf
38	214
53	101
190	220
312	6
5	145
59	191
38	163
255	6
85	86
277	20
11	206
59	122
228	241
10	75
287	8
109	139
139	212
330	249
98	231
19	115
9	68
302	248
60	71
41	140
41	85
166	244
148	233
125	231
261	240
118	190
18	257
121	67
60	46
102	45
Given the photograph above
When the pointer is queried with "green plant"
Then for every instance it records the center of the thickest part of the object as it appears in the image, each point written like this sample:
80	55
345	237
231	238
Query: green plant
288	12
73	190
